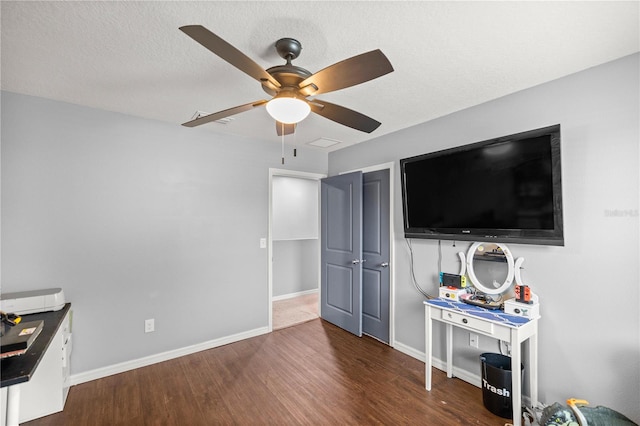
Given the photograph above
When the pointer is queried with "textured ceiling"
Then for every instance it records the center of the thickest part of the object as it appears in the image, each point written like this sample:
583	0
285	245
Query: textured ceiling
130	57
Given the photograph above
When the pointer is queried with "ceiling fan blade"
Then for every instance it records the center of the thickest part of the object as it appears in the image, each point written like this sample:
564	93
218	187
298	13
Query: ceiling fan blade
344	116
229	53
347	73
222	114
285	129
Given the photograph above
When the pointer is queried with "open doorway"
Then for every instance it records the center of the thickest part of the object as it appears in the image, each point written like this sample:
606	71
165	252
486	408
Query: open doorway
295	310
293	247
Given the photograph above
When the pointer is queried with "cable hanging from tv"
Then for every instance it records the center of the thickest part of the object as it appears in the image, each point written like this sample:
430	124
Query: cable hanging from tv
414	281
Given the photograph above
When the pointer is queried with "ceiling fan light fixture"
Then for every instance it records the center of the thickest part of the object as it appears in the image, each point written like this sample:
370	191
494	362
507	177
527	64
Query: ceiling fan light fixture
287	108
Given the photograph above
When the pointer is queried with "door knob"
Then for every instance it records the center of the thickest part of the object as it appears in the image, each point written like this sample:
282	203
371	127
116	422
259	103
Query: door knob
355	261
384	264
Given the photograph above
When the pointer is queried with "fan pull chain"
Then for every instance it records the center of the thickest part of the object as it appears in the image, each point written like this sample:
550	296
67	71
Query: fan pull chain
282	126
294	140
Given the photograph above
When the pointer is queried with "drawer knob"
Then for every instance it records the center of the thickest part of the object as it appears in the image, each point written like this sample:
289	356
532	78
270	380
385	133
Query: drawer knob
464	320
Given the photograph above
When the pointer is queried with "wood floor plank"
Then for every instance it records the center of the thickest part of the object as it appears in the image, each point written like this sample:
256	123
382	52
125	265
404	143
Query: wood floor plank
206	386
309	374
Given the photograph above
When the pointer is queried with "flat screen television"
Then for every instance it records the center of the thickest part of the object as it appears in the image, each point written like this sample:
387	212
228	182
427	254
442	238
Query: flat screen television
506	190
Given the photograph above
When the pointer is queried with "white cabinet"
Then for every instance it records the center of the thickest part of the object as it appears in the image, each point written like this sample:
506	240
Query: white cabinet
46	392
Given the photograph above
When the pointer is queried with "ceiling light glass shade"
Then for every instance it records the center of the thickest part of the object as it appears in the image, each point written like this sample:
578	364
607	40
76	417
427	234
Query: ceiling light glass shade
288	109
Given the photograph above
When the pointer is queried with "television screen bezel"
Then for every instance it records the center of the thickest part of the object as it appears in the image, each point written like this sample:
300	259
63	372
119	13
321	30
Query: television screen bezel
554	237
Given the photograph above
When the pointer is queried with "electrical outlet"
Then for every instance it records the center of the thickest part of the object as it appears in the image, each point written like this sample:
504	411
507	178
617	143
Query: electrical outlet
149	325
473	340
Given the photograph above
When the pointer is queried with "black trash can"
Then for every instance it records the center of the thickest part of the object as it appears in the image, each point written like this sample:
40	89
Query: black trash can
496	384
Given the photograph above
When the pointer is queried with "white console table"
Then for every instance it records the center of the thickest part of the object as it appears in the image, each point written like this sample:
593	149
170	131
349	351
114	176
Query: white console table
496	324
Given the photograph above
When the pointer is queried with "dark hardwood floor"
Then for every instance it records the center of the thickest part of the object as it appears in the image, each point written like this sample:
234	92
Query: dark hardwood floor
312	373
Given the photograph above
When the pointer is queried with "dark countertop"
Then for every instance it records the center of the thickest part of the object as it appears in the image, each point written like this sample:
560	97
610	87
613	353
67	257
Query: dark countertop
19	369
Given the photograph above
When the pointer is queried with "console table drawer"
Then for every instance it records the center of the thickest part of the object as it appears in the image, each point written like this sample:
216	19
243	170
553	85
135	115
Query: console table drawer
467	321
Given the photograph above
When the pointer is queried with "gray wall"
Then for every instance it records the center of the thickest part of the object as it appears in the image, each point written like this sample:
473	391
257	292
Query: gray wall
136	219
589	291
296	265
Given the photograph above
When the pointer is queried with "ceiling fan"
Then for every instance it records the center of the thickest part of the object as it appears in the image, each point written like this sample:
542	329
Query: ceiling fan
290	85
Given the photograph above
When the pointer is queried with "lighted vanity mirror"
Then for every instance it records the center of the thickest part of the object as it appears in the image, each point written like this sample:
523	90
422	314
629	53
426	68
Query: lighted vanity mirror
490	267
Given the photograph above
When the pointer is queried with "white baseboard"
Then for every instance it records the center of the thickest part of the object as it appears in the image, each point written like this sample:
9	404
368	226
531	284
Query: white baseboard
461	374
99	373
292	295
413	353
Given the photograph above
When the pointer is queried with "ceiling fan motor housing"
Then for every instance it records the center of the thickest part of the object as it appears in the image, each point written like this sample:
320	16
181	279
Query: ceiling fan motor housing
287	75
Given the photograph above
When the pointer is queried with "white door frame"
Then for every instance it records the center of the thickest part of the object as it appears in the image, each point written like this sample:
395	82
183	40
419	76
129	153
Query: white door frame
295	174
392	252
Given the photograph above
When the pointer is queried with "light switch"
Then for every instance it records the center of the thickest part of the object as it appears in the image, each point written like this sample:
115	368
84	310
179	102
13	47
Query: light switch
263	243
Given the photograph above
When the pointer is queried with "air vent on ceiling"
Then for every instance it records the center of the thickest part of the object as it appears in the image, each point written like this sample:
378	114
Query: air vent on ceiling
324	142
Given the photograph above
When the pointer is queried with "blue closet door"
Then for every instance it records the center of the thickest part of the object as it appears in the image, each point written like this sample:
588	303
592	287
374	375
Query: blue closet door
376	254
341	251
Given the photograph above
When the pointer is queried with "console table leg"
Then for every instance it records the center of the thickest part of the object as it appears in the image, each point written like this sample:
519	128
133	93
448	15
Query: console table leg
428	328
516	378
449	351
533	368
